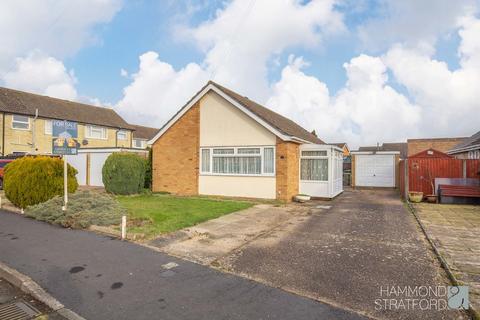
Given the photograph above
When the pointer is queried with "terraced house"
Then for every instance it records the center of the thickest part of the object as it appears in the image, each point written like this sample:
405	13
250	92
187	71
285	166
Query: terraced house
26	124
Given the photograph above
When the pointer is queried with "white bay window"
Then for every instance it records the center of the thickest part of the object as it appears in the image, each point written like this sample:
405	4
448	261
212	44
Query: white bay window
247	161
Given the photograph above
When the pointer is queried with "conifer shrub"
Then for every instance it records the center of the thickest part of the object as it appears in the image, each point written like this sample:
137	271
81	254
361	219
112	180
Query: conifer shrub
124	173
32	180
85	208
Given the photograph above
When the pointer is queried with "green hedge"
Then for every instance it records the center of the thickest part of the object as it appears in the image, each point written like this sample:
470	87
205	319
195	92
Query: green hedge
31	180
148	170
124	173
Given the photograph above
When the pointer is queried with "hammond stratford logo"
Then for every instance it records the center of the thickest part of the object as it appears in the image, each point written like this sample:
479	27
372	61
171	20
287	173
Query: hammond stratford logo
422	298
457	297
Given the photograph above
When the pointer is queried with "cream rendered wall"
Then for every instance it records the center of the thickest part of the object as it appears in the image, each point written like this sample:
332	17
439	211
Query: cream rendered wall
231	186
222	124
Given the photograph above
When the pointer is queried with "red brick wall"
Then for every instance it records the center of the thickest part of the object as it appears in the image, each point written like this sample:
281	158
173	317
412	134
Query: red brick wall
176	156
287	167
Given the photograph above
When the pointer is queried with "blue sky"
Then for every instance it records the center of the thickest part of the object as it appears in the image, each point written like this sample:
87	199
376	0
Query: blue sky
347	69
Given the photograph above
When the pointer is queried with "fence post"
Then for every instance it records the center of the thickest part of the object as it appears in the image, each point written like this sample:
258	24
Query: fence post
464	168
405	181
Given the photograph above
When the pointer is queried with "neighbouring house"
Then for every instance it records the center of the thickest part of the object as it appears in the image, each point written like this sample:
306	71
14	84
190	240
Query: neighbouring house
26	123
222	143
401	147
468	148
347	163
378	166
142	135
441	144
344	147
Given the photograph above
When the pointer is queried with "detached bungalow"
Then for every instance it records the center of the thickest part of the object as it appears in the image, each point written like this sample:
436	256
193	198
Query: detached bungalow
222	143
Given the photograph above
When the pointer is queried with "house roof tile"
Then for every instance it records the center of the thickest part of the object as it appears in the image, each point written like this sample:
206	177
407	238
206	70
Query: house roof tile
25	103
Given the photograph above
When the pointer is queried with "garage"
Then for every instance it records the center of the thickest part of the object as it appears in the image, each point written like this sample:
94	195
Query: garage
89	163
375	169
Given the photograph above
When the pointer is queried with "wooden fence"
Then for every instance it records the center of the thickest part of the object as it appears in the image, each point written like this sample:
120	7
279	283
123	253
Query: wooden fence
416	173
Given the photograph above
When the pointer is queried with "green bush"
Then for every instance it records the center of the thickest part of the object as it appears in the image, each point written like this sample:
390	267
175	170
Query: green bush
84	209
124	173
32	180
148	170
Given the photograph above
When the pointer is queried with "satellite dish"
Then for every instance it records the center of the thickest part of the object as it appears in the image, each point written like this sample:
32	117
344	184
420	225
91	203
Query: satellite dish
84	142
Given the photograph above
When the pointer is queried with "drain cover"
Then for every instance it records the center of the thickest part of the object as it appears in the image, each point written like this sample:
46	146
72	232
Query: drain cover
17	310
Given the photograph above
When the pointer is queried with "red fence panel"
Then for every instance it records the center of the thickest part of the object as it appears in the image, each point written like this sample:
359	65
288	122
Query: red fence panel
401	183
421	171
473	168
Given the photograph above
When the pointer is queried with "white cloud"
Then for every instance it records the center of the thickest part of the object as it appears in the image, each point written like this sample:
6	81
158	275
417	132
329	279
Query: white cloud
158	90
449	99
414	23
42	74
242	37
55	28
366	109
238	43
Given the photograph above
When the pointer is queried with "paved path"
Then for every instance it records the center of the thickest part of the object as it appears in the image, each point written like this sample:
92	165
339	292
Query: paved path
345	254
101	278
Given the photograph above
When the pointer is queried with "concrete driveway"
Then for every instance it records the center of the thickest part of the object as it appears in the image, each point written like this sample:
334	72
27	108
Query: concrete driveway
342	255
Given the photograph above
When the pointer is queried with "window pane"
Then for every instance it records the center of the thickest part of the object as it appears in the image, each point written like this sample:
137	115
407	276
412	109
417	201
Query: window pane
268	160
237	165
314	169
248	150
318	153
205	160
18	118
122	135
223	151
20	122
48	126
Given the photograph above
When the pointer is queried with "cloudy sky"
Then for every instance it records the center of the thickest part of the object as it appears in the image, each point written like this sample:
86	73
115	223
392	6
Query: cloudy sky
354	70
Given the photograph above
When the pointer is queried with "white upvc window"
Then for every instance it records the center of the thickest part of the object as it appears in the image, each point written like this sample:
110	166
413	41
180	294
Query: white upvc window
122	135
314	165
48	126
139	143
239	161
96	132
20	122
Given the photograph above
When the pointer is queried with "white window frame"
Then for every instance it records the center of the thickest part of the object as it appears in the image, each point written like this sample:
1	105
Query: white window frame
236	154
122	132
325	157
88	129
48	125
143	142
23	122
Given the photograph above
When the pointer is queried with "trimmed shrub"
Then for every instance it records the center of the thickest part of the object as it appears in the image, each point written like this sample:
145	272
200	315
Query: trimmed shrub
32	180
124	173
84	209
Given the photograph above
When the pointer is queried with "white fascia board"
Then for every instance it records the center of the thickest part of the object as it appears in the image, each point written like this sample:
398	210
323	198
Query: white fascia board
465	149
101	150
375	152
229	99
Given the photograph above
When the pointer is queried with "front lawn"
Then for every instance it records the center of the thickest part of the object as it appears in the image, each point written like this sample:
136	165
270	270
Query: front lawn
166	213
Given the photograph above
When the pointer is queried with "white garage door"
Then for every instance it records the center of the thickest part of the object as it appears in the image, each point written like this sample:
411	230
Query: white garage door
375	170
79	162
97	159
